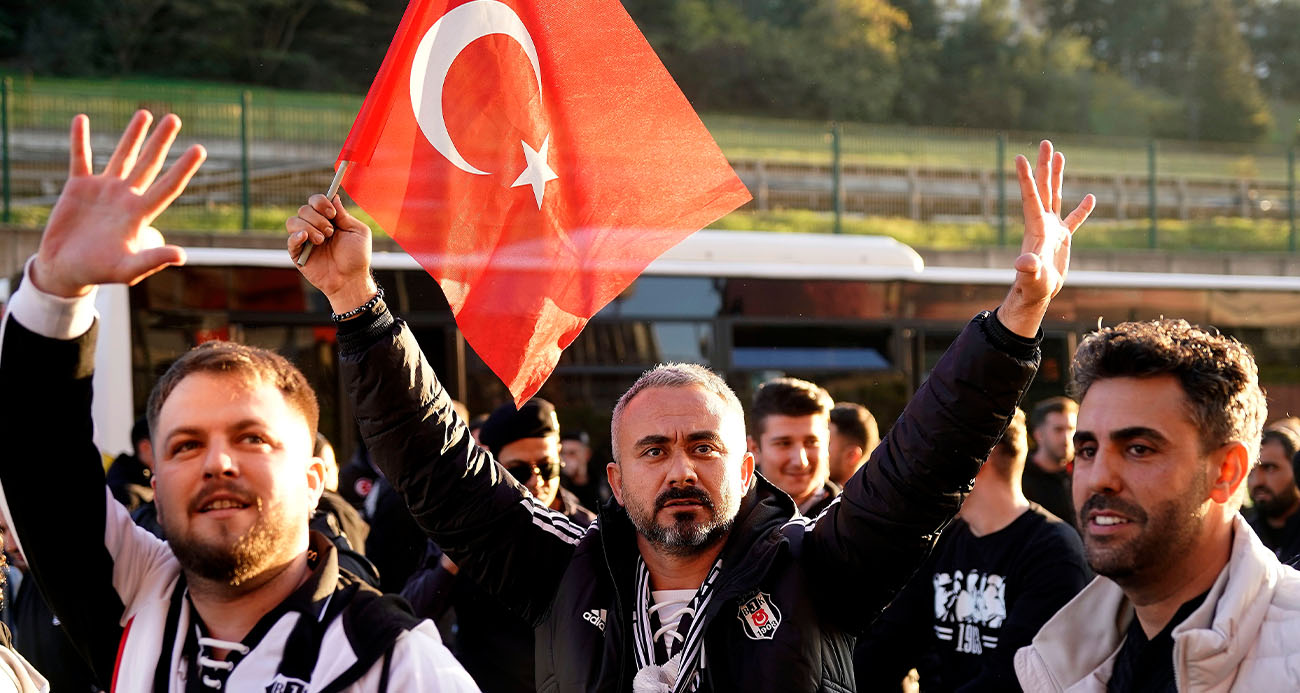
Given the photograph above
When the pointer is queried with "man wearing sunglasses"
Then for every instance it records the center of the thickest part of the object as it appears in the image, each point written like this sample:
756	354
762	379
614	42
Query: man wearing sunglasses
527	443
494	645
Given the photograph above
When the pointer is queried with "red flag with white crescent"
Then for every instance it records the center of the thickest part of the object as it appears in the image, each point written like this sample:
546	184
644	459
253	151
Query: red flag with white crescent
534	156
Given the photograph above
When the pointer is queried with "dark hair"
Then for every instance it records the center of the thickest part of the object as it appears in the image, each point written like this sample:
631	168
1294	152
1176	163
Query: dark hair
787	397
140	431
251	364
1049	406
580	436
1284	436
1012	448
1217	373
854	422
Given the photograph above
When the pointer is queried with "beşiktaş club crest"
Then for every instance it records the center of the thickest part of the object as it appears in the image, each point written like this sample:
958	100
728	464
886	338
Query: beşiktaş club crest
284	684
760	616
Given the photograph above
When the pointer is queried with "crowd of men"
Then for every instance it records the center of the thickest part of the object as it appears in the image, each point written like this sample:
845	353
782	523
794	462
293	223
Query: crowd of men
779	545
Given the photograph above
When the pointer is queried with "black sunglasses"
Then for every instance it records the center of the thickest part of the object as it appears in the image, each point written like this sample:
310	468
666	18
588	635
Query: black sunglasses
545	471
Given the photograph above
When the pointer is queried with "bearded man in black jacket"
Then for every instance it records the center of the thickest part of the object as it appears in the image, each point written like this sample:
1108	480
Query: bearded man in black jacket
700	575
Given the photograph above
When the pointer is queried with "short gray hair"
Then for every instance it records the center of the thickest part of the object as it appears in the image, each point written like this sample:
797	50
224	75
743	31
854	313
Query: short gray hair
675	375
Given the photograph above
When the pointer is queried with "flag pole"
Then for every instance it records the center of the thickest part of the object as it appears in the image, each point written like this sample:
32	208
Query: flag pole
329	195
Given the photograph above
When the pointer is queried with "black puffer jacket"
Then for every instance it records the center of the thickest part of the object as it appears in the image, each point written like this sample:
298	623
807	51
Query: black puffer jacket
818	583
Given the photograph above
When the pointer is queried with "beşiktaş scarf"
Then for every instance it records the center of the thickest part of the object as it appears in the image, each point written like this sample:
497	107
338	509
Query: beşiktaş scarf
670	665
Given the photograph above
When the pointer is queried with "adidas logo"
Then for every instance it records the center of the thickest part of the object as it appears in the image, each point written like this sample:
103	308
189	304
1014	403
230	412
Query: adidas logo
595	617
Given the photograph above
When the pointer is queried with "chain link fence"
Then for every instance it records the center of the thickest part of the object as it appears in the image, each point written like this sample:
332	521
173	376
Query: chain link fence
268	151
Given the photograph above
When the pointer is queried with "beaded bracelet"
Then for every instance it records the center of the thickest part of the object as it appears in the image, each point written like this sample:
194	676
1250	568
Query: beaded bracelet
374	301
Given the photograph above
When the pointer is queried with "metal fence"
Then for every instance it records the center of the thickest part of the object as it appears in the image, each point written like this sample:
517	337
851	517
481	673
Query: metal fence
268	151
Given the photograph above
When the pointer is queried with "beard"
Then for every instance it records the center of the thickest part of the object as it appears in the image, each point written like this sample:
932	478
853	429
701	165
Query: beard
232	559
1164	535
1272	505
684	535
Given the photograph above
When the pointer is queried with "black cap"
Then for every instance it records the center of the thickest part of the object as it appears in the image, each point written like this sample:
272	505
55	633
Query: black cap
536	419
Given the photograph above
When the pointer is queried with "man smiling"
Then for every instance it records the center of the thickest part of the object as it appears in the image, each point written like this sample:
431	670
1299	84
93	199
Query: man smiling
702	575
243	597
1189	599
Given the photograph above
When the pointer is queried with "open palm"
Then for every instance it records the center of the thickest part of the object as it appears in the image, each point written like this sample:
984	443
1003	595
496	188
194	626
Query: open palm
99	231
1045	251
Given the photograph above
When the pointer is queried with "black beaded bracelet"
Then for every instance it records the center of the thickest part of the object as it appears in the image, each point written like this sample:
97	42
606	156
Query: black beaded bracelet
374	301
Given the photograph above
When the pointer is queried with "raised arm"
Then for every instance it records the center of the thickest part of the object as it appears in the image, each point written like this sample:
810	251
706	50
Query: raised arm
85	553
484	520
866	545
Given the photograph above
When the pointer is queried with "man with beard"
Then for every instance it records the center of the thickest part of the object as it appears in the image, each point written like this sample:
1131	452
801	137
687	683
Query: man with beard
854	435
702	575
789	431
494	645
1273	489
242	597
1047	476
1188	598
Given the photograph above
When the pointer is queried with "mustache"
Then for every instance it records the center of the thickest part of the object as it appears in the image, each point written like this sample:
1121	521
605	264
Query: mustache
222	487
691	493
1100	502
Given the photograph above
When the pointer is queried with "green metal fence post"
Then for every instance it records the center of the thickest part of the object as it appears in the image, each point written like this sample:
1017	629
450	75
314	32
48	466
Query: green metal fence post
245	105
1290	198
1151	192
1002	189
837	176
6	86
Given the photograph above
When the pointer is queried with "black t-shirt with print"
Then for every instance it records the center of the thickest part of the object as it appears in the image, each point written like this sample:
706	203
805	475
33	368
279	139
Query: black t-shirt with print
975	602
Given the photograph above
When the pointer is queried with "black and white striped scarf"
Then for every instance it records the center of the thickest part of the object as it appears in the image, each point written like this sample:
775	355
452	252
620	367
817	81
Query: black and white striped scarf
654	662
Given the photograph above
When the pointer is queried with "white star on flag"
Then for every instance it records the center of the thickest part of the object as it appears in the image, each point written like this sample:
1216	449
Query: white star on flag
538	171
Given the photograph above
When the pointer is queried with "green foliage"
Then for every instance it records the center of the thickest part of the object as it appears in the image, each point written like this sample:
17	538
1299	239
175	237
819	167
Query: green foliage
1165	68
1223	97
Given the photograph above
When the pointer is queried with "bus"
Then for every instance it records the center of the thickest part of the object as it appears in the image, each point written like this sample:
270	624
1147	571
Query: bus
862	316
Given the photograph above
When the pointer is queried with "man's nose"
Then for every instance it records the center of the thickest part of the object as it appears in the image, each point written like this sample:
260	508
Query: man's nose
1102	476
799	458
682	471
219	462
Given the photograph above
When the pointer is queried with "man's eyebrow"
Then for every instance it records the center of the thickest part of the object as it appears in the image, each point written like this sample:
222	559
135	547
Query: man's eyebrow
182	431
1084	437
1138	432
652	439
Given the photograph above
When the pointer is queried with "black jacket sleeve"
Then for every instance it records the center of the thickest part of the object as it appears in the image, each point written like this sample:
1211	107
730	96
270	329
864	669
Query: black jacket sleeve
867	544
53	482
485	521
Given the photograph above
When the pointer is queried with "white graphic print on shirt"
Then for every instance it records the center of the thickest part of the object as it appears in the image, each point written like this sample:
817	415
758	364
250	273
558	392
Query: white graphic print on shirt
967	605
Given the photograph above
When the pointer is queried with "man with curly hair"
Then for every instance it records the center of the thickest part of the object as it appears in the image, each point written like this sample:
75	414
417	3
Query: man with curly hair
1170	419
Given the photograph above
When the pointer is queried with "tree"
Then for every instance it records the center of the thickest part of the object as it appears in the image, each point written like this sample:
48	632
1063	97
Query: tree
1223	98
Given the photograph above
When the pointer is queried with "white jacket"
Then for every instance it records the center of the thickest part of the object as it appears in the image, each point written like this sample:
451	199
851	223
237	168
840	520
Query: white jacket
1244	637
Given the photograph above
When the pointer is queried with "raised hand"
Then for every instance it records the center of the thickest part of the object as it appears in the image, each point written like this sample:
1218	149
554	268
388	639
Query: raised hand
341	267
99	230
1045	251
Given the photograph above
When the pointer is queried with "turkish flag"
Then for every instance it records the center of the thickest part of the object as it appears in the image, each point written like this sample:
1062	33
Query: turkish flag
533	156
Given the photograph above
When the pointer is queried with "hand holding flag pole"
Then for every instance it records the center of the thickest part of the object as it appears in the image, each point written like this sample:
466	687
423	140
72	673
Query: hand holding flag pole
534	156
329	195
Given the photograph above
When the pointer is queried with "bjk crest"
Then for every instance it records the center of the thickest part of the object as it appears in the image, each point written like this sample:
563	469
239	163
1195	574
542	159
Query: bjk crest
760	616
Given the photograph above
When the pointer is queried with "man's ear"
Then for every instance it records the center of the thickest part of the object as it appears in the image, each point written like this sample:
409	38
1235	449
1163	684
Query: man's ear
146	454
751	443
315	481
615	475
1233	466
746	473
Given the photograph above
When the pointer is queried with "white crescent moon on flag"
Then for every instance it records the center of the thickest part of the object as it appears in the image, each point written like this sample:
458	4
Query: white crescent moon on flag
438	50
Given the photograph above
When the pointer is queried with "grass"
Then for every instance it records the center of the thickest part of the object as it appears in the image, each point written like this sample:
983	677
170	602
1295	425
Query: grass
213	110
1212	235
